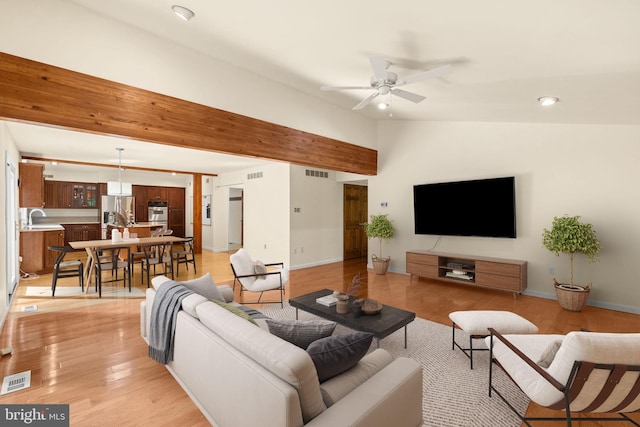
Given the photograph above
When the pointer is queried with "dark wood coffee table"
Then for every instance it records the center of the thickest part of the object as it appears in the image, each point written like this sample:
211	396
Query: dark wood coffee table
382	324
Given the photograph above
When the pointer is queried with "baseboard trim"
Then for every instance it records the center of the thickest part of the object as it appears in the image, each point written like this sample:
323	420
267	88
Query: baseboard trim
592	303
315	264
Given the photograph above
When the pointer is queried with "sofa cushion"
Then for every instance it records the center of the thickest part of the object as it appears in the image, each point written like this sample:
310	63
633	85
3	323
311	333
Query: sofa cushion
339	386
301	332
190	303
290	363
235	310
204	286
336	354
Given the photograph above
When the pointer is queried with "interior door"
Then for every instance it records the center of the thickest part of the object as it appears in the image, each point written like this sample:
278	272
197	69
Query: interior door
355	210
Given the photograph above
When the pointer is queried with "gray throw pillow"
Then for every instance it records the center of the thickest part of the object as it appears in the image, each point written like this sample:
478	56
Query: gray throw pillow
336	354
260	268
549	354
204	286
301	332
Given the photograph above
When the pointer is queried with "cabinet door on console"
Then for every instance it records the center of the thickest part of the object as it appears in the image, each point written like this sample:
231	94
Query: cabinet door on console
422	265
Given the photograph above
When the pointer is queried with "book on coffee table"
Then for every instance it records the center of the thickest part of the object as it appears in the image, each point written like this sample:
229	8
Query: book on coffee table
328	300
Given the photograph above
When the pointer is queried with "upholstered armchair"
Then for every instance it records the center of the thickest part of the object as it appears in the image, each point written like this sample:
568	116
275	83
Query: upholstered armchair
581	372
257	276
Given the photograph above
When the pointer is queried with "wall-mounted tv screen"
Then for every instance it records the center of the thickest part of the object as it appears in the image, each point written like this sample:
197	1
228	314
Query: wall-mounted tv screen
483	208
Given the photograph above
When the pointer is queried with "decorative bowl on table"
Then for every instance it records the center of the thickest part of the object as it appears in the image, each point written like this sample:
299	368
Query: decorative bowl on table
371	306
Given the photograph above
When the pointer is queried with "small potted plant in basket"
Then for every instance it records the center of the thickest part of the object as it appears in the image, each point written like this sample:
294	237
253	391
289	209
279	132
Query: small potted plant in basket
380	227
570	236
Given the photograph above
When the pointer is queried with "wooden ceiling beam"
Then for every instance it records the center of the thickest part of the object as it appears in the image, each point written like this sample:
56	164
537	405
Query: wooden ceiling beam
108	165
40	93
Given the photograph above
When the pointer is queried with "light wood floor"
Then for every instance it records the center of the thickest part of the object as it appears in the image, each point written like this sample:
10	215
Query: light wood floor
88	352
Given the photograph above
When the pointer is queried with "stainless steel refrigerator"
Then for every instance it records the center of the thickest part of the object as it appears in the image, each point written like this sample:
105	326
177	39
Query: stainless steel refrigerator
116	210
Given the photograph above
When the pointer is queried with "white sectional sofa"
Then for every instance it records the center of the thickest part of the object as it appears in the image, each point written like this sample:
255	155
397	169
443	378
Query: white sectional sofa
239	374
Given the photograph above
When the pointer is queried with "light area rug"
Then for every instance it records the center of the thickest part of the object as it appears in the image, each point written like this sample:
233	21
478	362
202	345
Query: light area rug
75	291
453	395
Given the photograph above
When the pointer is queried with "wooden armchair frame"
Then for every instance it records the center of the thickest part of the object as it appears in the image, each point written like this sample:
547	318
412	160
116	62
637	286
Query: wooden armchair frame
575	383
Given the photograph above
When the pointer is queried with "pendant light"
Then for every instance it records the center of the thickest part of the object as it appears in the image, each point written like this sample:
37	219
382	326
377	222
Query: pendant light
119	188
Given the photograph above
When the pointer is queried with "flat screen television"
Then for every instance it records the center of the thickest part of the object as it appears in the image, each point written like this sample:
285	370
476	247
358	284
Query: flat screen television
482	207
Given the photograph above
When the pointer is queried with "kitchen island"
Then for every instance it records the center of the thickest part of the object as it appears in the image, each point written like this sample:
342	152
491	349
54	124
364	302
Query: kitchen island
141	229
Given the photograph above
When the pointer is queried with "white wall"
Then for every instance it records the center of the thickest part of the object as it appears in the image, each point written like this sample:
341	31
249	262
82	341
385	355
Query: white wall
6	145
586	170
316	230
80	40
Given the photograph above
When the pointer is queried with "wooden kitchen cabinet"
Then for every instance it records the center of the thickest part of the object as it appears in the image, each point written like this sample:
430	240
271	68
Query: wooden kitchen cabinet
156	193
79	232
176	202
71	195
140	194
35	253
31	191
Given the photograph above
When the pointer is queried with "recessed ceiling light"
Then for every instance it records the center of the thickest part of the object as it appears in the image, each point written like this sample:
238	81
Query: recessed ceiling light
182	12
54	163
547	100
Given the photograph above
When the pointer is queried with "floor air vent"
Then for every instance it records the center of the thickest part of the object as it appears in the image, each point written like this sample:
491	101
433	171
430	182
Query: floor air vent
16	382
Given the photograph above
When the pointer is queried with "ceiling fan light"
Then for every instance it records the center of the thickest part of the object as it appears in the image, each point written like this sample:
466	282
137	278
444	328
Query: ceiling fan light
182	12
383	106
546	101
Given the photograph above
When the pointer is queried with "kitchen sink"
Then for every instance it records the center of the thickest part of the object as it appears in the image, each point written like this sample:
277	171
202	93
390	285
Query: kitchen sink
42	226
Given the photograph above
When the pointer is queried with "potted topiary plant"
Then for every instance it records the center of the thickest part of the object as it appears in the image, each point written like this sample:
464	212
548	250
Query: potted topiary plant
379	227
570	236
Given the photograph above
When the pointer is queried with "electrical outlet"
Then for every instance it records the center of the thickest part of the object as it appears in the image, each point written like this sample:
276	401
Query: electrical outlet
295	251
301	249
551	271
265	246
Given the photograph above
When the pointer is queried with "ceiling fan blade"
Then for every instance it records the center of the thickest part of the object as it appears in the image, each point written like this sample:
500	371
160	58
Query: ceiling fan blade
366	101
344	87
379	65
429	74
413	97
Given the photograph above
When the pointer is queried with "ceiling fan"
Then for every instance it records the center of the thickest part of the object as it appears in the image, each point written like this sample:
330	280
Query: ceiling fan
384	82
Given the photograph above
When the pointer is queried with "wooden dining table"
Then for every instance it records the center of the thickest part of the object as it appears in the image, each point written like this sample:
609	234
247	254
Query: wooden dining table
92	247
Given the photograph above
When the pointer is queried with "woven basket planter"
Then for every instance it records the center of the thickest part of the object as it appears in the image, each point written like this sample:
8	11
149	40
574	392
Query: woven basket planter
380	265
572	298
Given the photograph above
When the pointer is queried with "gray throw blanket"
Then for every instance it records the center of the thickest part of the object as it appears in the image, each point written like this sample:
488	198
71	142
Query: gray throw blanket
162	327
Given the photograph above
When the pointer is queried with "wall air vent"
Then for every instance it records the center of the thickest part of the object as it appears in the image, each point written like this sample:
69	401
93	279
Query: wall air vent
255	175
48	176
316	173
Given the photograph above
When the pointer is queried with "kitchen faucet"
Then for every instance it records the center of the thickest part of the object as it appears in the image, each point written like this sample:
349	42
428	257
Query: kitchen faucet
31	213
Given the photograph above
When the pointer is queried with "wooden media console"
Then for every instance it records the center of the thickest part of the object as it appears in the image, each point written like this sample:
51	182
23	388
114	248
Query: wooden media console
494	273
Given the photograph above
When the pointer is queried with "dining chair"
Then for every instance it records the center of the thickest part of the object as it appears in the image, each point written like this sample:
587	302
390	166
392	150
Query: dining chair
185	255
62	268
117	259
156	255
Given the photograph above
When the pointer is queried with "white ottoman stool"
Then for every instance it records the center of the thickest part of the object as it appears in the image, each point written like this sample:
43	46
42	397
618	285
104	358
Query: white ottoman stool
477	322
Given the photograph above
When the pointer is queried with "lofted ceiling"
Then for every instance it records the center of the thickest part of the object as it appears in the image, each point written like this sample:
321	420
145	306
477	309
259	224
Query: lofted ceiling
504	54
